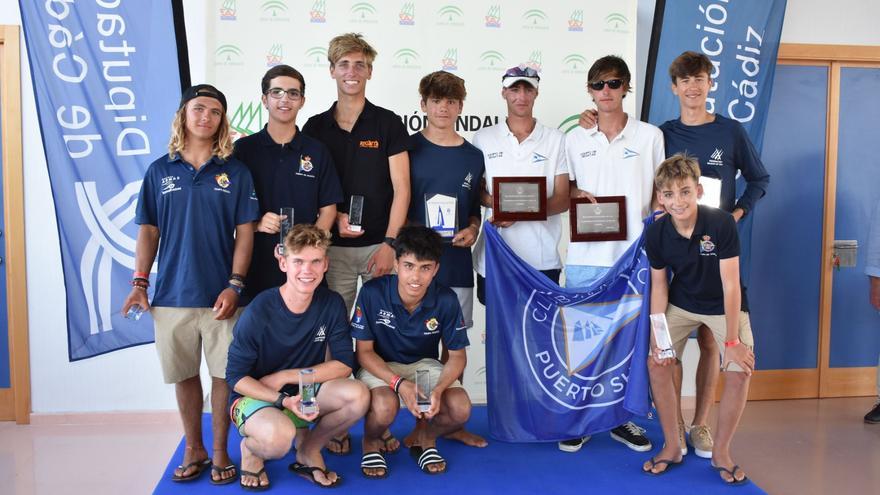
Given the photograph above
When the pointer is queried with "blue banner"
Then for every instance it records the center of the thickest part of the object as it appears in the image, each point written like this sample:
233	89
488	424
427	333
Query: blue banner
107	84
563	363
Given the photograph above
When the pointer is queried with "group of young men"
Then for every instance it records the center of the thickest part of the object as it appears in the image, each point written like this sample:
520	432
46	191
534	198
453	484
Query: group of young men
218	209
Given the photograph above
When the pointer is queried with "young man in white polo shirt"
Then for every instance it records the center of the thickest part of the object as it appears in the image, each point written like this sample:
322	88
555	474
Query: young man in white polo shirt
616	157
522	146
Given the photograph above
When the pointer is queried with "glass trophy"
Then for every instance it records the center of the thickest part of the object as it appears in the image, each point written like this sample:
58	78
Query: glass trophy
135	311
440	214
286	213
308	403
423	390
356	213
661	336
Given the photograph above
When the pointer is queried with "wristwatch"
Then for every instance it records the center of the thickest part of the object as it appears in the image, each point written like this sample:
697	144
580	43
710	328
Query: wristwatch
279	402
389	241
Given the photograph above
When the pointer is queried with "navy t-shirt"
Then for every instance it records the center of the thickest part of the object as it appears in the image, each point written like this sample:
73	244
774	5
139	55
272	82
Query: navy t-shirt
361	159
722	148
696	281
298	174
196	213
453	171
401	337
268	337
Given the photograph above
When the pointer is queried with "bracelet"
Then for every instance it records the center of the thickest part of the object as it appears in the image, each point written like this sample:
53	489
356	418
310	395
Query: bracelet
141	287
237	276
140	282
732	343
235	288
141	275
236	282
395	382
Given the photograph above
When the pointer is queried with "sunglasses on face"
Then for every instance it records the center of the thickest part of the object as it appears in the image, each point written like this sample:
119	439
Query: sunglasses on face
599	85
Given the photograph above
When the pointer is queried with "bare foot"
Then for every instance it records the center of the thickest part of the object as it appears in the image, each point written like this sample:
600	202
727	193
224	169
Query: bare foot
467	438
252	473
413	438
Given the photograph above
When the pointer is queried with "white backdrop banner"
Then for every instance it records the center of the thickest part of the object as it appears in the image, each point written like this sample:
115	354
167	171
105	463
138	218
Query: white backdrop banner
476	40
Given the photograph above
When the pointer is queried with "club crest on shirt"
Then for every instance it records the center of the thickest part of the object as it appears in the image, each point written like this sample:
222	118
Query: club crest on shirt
358	320
432	324
305	163
538	158
321	334
707	247
628	153
222	180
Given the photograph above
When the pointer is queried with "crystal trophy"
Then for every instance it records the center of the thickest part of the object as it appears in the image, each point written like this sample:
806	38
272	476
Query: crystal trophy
356	213
286	213
423	390
661	336
440	214
135	311
308	404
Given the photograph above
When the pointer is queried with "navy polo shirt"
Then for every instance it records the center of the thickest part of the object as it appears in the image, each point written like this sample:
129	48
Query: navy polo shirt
401	337
696	282
268	337
453	171
361	158
298	174
722	148
196	213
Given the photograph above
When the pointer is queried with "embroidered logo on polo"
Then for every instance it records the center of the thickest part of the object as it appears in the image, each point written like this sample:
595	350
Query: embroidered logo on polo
715	158
222	180
432	325
169	184
628	153
305	163
538	158
467	181
707	247
369	143
321	334
386	318
358	320
587	154
495	154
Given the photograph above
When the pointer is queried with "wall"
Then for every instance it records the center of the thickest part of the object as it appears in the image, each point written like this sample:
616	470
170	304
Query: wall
130	379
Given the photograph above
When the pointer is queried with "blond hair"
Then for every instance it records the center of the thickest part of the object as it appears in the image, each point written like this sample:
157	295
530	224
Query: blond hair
350	43
678	167
222	140
306	235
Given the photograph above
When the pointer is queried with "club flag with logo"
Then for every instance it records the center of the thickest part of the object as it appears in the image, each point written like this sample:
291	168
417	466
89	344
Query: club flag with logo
742	40
107	83
564	362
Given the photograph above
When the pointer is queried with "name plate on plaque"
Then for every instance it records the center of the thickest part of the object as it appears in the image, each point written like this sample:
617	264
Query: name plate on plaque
356	213
604	220
519	198
441	214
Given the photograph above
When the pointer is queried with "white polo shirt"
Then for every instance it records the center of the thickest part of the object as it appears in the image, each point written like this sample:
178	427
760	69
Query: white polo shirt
623	167
540	154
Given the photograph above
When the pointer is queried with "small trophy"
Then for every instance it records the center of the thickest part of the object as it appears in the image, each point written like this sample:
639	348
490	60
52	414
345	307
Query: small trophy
661	336
286	213
308	404
135	311
440	214
356	213
423	390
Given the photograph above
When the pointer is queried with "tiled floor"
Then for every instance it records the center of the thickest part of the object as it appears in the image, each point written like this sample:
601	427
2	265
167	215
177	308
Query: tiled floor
788	447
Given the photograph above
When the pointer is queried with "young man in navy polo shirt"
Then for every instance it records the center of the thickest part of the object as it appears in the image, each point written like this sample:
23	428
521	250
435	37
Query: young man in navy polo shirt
699	245
290	169
200	202
283	331
399	323
443	162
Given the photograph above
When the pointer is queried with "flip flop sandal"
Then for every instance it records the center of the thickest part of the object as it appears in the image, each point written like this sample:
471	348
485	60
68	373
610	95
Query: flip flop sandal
344	445
387	438
200	466
308	472
427	457
259	487
374	460
732	472
220	470
654	462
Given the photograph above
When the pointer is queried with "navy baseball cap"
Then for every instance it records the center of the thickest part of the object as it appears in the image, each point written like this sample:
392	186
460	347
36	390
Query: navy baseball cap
203	90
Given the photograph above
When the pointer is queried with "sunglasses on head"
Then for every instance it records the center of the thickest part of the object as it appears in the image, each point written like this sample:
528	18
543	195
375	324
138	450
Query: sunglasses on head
521	72
599	85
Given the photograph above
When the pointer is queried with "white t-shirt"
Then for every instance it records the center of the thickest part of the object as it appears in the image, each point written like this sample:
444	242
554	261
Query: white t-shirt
623	167
540	154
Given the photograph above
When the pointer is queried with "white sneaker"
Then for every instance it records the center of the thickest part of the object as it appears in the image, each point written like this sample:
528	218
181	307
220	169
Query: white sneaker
574	444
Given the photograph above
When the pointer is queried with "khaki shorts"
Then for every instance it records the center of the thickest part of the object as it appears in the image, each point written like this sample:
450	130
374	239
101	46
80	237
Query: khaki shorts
408	372
181	333
681	323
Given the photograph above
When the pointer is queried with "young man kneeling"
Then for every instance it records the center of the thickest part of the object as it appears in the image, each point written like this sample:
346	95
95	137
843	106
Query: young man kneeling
399	322
282	332
700	246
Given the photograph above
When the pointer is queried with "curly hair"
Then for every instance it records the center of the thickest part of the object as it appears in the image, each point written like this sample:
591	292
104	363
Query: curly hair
222	140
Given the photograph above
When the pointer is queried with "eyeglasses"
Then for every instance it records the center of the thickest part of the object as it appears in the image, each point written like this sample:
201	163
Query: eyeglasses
278	93
599	85
521	72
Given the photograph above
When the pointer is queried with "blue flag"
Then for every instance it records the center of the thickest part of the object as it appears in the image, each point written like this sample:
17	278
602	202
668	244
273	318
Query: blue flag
107	84
561	362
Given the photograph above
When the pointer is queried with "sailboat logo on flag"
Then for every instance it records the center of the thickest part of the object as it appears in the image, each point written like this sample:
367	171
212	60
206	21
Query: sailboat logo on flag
585	328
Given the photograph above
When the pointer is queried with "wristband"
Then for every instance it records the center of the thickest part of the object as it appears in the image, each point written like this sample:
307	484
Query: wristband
236	282
395	383
237	276
140	275
389	241
279	402
732	343
235	288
